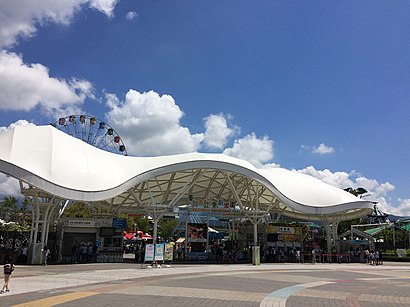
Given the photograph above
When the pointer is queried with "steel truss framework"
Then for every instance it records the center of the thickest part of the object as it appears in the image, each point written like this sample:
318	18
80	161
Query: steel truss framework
163	194
54	169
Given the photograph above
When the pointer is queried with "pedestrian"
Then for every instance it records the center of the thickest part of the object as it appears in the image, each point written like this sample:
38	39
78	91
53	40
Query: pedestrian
376	257
74	258
8	269
24	253
371	257
297	256
45	252
90	252
313	256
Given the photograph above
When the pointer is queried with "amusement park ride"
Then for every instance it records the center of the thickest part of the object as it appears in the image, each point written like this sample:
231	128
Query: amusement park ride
136	236
92	131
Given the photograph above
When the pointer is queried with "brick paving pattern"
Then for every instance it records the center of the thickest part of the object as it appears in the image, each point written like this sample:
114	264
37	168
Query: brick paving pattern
126	284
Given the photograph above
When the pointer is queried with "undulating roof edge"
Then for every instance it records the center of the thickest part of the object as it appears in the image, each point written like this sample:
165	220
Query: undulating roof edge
71	169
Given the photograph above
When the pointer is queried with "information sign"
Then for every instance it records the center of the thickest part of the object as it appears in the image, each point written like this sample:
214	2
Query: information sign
149	253
169	252
159	252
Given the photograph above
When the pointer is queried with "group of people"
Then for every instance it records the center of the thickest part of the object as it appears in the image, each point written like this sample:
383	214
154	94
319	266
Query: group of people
374	257
277	254
84	253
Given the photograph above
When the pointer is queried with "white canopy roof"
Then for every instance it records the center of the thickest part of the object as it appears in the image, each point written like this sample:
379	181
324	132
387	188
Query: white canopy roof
68	168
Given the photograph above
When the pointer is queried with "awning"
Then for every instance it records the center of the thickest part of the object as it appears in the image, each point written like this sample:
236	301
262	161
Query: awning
212	230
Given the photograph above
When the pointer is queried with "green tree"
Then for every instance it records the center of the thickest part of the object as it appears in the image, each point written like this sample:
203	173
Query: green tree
140	222
16	216
9	209
77	209
345	225
359	192
166	227
143	223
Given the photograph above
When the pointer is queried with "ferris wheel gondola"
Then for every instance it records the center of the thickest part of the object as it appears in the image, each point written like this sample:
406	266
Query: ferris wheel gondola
92	131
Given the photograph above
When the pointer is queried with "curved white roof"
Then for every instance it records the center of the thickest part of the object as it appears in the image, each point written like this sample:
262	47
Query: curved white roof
69	168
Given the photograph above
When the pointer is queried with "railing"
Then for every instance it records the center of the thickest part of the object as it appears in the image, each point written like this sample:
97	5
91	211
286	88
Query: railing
326	258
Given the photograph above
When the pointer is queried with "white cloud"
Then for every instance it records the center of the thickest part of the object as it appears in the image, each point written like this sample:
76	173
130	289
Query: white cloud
9	186
337	179
322	149
270	165
377	191
150	124
250	148
104	6
19	19
403	209
19	123
25	86
131	15
217	131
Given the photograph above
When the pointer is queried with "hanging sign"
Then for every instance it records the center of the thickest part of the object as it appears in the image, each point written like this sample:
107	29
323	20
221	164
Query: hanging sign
81	223
197	232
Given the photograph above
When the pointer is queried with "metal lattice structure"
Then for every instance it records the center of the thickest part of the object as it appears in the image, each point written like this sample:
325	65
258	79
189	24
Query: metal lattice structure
54	168
93	131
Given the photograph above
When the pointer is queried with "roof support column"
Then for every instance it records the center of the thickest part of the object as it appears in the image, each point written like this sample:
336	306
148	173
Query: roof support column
332	239
43	209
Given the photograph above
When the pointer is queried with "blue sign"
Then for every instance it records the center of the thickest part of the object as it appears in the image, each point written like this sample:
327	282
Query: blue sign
119	223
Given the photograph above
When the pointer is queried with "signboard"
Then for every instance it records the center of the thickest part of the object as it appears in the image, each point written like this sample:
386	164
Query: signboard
149	252
81	223
197	232
169	252
159	252
285	230
119	223
222	211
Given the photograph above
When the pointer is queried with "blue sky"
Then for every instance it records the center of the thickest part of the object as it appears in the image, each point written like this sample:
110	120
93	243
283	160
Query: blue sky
320	87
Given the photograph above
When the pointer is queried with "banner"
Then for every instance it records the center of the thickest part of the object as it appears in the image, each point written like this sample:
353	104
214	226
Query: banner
197	232
159	252
169	252
149	252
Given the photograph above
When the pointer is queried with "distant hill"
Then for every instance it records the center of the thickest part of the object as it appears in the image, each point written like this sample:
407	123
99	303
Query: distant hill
394	218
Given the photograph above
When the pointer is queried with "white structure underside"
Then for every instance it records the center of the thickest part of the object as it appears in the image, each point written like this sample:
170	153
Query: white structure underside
67	168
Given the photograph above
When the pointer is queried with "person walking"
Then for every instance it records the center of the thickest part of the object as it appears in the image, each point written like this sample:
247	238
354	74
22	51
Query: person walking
8	268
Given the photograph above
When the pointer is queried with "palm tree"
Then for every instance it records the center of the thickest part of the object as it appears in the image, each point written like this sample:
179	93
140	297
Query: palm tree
357	192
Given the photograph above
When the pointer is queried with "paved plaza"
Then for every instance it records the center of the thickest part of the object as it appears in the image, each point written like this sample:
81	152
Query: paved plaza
127	284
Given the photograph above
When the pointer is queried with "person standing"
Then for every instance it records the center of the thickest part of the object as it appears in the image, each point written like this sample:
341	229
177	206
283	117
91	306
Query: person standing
45	252
24	253
313	256
376	257
8	268
297	256
74	254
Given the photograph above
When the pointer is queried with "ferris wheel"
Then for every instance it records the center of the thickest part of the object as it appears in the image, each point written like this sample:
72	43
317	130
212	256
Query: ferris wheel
92	131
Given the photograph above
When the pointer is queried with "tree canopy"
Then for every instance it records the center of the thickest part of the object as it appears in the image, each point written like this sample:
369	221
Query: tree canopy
15	216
